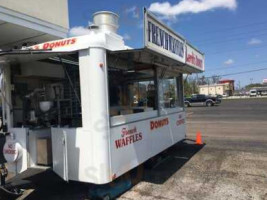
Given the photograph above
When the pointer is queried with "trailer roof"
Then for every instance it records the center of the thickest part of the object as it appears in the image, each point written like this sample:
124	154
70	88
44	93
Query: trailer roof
142	56
22	56
148	56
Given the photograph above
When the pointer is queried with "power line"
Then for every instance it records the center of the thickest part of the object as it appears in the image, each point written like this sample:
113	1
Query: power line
236	50
230	39
236	66
235	27
232	35
237	73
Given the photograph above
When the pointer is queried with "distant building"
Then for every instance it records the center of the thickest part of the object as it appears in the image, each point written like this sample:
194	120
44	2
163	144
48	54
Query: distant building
25	22
264	82
261	91
224	87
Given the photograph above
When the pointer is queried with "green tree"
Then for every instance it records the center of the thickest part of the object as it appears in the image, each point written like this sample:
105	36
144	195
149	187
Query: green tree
250	86
190	86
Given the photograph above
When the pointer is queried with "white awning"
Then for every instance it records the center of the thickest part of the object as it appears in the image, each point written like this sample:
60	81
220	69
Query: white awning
23	56
148	56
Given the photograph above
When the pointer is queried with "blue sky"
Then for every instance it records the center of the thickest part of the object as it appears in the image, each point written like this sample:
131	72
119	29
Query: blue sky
231	33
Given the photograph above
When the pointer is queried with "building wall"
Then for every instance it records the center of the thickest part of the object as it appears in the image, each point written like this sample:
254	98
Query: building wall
52	11
212	89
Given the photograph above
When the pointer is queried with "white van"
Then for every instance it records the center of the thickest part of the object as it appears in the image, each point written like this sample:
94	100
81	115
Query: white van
253	93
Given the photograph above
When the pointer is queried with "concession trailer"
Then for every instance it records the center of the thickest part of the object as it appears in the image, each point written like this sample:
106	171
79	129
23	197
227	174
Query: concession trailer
92	108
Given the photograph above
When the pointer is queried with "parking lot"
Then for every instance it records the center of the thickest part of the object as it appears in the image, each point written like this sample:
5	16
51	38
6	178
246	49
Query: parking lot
231	165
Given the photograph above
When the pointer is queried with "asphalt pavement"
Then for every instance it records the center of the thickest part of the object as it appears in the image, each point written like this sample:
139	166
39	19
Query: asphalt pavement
231	165
243	119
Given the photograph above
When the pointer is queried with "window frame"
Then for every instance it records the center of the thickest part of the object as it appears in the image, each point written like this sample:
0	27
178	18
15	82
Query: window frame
155	113
180	97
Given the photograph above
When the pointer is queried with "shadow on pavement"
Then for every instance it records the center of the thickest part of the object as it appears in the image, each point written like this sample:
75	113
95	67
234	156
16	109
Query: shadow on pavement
45	184
172	161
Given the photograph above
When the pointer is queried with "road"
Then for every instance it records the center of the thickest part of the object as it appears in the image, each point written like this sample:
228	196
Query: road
240	119
232	164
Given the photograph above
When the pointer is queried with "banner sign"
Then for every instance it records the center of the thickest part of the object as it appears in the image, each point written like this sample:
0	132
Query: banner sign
162	39
194	58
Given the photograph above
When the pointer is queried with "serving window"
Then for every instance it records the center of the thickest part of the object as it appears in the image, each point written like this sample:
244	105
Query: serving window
132	94
139	90
170	92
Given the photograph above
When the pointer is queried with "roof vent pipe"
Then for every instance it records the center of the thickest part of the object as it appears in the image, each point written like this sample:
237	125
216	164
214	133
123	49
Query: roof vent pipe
106	21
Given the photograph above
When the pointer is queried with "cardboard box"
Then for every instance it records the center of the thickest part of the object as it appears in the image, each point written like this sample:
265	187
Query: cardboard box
44	151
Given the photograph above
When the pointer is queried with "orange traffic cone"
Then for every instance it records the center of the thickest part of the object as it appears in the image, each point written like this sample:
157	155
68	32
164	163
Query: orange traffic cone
199	138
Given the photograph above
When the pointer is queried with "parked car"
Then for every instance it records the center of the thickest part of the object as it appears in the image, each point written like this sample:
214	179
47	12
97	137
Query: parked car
219	96
253	93
200	99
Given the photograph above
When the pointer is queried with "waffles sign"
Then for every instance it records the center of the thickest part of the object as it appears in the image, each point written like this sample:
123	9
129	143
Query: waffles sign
128	136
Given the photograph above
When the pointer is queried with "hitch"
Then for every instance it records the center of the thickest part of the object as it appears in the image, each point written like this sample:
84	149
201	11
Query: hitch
7	191
3	174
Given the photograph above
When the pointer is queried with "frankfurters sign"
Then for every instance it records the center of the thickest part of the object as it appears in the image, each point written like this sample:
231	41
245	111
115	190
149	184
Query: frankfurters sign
162	39
194	58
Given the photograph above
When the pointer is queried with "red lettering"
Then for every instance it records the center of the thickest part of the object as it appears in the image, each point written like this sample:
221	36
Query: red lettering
128	140
180	122
51	46
46	45
140	136
63	43
118	144
9	151
193	59
73	40
152	125
58	44
159	123
131	139
68	42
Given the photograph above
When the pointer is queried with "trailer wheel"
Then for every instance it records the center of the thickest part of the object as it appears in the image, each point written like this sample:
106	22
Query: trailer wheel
107	197
209	104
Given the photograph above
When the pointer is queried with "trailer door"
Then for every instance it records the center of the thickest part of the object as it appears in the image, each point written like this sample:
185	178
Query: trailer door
60	157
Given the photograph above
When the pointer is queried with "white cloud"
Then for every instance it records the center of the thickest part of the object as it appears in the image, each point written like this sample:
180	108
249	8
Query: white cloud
191	6
78	31
229	62
254	41
134	11
140	24
126	37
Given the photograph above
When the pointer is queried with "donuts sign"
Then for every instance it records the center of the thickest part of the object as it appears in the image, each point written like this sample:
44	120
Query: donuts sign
55	44
155	124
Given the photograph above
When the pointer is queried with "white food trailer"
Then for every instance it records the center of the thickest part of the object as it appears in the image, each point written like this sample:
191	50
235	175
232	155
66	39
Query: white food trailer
92	108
